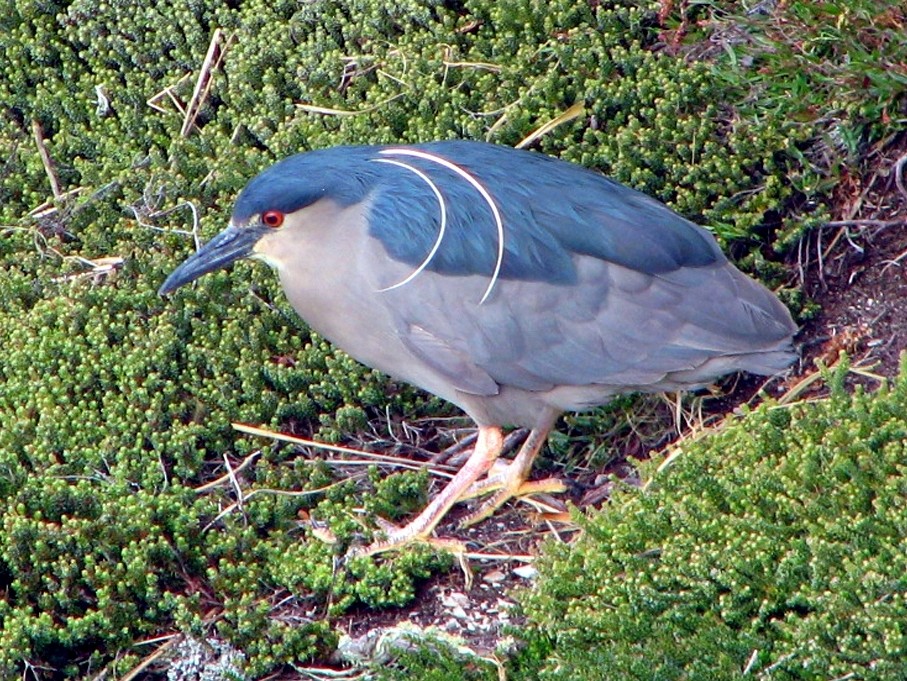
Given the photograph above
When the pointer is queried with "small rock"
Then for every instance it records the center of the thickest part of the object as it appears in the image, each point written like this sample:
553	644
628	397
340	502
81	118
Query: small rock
456	599
494	577
458	612
526	572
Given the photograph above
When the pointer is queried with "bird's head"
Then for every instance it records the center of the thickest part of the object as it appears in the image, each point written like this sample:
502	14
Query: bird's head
273	211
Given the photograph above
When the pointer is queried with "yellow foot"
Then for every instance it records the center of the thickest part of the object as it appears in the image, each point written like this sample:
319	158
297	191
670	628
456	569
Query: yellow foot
511	481
420	529
397	537
506	487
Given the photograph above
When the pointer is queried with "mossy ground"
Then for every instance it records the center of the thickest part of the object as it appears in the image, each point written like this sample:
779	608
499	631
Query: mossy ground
774	549
116	405
776	546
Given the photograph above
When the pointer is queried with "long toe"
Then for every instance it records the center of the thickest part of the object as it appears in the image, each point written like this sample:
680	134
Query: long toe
422	527
514	487
401	537
511	481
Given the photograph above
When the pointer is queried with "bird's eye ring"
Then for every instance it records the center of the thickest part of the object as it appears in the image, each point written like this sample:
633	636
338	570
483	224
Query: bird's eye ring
272	218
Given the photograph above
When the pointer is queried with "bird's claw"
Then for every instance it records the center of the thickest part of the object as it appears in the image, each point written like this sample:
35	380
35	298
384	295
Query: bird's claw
397	537
504	490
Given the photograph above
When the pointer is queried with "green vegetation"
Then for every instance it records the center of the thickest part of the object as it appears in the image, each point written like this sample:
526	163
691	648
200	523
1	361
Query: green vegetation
778	544
116	404
776	548
830	76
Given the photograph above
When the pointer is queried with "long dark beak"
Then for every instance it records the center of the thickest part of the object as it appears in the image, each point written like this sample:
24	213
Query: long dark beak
228	246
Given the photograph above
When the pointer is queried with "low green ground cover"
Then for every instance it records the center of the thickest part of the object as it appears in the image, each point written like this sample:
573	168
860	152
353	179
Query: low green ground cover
115	405
774	549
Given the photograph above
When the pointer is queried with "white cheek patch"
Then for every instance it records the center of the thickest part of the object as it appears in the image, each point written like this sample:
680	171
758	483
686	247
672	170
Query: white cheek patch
266	257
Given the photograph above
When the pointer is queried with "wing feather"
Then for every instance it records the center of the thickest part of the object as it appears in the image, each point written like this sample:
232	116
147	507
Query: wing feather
599	284
635	330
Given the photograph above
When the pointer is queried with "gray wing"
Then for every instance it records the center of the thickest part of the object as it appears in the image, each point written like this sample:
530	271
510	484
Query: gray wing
598	284
614	327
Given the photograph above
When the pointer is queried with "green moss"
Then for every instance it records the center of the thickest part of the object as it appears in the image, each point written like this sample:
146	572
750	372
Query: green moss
437	660
116	404
398	495
778	543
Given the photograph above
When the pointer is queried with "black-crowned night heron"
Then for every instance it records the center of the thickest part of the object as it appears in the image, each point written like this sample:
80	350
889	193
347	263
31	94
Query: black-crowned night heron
512	284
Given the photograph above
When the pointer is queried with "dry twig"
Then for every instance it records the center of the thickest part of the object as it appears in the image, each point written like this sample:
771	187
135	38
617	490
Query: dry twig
575	111
230	474
371	457
46	160
217	48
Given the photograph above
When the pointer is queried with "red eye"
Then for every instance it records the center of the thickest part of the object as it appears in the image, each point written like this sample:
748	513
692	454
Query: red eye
272	218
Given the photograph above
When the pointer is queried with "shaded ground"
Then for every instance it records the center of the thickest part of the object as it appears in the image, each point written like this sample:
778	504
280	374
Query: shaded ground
854	269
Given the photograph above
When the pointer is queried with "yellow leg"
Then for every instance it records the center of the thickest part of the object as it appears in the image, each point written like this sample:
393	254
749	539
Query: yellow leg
488	448
511	482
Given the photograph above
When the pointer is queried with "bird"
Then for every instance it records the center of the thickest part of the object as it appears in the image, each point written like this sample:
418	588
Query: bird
513	284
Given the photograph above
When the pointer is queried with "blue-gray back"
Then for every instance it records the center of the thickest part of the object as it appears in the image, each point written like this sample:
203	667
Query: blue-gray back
551	210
